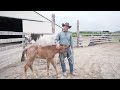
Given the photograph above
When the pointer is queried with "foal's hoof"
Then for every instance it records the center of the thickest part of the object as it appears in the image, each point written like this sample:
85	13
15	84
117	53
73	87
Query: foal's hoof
26	78
36	76
57	75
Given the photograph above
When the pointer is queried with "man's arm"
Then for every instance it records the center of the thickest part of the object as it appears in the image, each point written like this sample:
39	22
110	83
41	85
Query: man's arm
57	41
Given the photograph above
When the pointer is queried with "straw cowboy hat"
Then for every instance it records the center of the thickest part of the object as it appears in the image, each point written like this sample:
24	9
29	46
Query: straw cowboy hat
66	24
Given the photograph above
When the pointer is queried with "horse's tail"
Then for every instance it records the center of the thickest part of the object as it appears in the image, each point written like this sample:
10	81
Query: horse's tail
23	55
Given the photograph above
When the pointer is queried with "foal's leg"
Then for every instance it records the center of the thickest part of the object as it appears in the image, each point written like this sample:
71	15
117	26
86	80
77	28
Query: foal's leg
48	65
25	70
53	63
31	67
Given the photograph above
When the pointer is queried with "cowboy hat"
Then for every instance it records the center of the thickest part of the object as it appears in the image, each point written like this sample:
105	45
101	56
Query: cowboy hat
66	24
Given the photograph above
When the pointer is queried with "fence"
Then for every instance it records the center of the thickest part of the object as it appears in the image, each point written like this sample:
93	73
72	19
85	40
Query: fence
93	39
11	48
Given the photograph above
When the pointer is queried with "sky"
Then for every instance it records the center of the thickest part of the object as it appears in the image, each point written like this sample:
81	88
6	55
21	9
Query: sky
88	20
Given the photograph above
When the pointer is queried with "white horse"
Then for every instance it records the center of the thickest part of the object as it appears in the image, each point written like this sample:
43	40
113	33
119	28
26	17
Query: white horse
46	40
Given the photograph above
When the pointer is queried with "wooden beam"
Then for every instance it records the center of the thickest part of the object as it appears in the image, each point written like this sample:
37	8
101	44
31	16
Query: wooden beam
11	40
44	33
11	47
100	34
77	33
12	33
20	33
53	23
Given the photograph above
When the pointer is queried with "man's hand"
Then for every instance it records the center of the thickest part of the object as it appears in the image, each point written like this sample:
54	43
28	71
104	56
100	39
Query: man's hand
58	46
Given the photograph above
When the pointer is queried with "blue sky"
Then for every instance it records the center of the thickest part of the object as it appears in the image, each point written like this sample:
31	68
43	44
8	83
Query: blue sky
89	20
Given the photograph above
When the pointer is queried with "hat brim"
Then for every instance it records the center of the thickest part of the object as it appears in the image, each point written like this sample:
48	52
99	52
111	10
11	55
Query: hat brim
66	25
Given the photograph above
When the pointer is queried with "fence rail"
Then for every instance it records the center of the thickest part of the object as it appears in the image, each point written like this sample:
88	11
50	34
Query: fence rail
11	52
98	38
10	47
11	40
12	33
99	34
20	33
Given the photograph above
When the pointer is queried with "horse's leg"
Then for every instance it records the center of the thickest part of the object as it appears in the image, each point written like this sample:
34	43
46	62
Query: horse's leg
33	71
53	63
25	70
48	65
31	67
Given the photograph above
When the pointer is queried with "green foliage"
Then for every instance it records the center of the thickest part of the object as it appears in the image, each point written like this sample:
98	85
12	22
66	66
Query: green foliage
74	34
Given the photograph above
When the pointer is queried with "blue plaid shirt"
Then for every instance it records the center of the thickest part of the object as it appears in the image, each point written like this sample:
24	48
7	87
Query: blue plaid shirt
64	38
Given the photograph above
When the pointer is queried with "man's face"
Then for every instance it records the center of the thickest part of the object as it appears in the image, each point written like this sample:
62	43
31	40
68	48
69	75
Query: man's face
66	28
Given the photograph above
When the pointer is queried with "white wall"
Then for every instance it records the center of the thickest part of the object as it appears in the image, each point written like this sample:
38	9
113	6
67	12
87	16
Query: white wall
30	26
37	27
22	14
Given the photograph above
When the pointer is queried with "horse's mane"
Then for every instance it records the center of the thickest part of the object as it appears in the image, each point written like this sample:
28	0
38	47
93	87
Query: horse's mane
49	46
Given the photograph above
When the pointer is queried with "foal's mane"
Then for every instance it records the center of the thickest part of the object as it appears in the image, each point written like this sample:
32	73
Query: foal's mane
49	46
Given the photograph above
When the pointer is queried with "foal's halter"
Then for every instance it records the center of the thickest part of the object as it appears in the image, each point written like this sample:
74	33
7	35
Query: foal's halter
70	56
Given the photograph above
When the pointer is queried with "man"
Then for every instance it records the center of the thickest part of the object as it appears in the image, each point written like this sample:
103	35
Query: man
65	38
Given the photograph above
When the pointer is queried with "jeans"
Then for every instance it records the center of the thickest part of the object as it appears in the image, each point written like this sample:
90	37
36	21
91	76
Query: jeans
70	60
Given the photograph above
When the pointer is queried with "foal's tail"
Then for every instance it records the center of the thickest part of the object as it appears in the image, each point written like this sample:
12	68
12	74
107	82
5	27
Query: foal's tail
23	55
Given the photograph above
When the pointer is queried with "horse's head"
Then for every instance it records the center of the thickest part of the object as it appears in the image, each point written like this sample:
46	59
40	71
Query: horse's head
63	49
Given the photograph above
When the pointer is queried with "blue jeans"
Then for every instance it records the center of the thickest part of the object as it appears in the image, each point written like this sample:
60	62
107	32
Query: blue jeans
70	60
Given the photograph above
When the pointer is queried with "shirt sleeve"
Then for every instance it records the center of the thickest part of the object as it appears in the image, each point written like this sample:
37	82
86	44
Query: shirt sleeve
71	41
57	38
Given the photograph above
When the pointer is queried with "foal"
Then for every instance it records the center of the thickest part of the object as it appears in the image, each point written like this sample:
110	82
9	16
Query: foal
41	52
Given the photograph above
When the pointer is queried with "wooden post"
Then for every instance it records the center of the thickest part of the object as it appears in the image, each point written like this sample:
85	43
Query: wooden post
24	41
53	23
77	33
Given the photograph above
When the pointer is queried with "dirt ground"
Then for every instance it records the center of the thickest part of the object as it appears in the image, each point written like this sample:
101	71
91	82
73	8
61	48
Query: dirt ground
93	62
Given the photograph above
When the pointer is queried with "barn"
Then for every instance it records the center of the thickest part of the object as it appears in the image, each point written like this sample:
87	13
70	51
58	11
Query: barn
27	21
10	24
14	25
